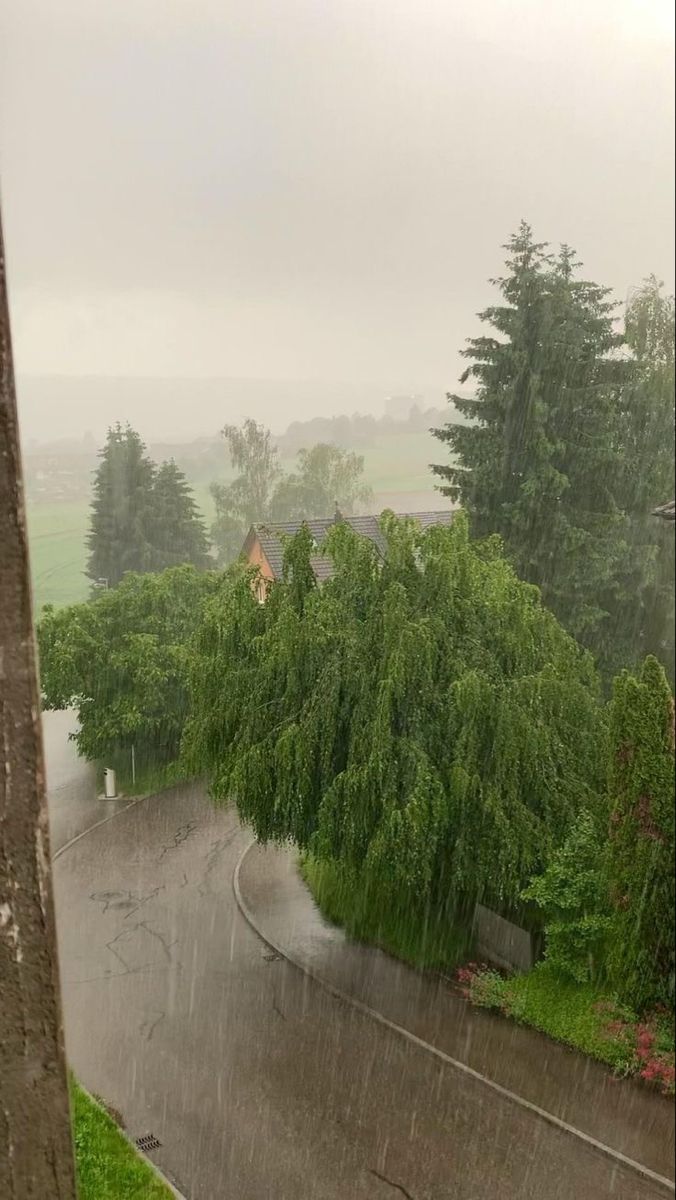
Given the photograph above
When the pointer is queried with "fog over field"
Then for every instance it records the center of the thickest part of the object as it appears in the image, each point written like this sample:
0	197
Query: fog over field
308	193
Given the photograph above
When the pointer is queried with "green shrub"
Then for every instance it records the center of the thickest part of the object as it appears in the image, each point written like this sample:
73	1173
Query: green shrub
581	1016
572	896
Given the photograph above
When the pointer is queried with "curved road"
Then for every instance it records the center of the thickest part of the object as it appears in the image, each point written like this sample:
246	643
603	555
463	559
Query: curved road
258	1083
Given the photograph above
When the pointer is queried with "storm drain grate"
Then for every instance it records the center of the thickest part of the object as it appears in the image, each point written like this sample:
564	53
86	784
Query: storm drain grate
148	1142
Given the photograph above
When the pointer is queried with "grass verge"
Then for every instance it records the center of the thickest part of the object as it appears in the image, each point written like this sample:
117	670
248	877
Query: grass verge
107	1166
419	938
581	1016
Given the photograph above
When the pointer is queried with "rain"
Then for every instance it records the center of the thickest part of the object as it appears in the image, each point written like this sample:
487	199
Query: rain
337	601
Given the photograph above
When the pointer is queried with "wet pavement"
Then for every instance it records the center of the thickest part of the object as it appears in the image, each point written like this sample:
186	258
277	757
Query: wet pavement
258	1083
71	783
622	1114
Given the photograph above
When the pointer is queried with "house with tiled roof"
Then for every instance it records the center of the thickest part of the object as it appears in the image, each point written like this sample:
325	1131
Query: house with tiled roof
264	544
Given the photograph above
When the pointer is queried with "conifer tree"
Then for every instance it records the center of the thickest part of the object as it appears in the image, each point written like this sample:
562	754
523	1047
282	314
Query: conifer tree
119	538
178	533
562	431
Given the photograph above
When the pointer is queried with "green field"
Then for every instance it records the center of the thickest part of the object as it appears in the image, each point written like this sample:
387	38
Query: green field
400	462
57	533
58	552
396	467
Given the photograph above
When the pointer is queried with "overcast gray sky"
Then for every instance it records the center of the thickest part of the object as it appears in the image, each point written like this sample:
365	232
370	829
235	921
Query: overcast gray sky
305	189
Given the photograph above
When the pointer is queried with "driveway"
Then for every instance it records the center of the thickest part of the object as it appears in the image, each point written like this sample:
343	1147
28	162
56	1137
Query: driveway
258	1083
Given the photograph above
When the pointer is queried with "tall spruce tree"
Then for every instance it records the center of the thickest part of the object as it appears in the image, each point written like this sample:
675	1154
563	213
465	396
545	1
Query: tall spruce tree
177	530
121	509
545	461
646	617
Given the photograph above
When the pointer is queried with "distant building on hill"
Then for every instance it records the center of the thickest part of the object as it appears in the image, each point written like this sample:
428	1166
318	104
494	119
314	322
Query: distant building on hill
264	544
399	407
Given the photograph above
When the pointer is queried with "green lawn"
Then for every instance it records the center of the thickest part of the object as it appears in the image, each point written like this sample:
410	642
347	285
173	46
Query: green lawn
107	1166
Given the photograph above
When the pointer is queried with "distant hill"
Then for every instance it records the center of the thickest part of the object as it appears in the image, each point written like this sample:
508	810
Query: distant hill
55	407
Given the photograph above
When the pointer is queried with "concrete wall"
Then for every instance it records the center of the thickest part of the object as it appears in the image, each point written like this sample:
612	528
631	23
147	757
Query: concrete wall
501	942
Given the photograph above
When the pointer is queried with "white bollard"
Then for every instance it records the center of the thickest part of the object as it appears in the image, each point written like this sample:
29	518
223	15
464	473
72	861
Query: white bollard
109	788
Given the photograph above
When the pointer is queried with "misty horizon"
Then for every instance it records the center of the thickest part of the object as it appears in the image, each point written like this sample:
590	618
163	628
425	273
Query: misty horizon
319	194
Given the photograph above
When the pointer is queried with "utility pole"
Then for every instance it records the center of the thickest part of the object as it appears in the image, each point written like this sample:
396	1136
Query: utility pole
36	1154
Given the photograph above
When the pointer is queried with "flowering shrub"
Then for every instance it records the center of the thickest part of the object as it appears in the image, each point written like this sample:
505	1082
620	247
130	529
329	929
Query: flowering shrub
483	986
651	1055
575	1014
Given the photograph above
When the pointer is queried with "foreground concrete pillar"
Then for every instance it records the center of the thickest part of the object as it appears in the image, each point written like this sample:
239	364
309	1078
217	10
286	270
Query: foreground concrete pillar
36	1157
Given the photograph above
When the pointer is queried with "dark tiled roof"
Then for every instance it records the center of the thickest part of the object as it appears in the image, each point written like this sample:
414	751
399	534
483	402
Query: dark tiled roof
666	511
271	537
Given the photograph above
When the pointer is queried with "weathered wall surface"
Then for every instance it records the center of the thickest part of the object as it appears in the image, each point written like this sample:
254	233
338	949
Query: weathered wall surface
36	1159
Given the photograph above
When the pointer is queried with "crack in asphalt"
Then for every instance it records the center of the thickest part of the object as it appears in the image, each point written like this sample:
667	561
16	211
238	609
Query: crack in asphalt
120	900
127	934
181	835
147	1028
398	1187
212	857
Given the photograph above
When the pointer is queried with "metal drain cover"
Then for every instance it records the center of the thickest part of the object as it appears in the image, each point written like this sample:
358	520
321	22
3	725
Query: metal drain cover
148	1142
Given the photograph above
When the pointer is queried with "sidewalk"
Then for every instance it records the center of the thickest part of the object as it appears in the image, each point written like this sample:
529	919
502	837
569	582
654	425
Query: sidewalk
621	1114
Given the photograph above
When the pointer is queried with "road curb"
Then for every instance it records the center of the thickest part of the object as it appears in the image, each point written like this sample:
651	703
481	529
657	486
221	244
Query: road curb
607	1151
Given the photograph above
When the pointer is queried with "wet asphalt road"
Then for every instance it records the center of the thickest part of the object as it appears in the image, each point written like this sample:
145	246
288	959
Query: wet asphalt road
259	1085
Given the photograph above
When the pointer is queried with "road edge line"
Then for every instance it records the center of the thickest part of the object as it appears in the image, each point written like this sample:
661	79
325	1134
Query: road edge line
462	1068
104	821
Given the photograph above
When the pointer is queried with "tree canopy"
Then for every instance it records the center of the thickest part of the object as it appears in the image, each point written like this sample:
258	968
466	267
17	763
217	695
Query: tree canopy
565	451
143	518
326	476
177	529
247	499
424	718
121	660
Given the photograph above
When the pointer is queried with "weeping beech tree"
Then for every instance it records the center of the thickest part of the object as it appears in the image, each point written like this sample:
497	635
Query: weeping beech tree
422	719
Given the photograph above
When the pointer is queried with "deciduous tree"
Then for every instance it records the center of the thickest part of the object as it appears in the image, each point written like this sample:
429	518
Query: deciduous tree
424	719
121	660
326	477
